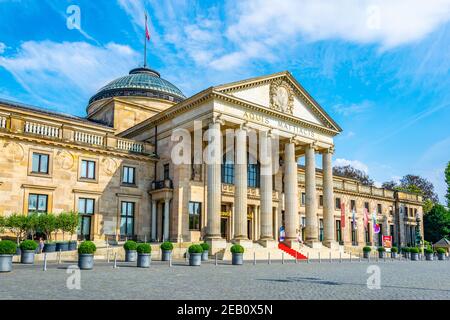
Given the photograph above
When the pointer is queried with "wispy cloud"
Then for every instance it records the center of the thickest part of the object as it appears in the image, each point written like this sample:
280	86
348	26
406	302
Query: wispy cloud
2	47
352	108
354	163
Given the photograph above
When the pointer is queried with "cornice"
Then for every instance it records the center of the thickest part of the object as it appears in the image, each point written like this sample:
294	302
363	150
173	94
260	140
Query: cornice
40	187
98	193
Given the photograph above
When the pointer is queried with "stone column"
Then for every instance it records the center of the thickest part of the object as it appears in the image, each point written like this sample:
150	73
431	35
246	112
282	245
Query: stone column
166	234
240	191
312	228
266	211
153	235
290	194
328	207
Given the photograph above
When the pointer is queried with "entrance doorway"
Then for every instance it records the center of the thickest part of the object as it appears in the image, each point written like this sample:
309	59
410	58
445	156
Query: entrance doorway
249	229
224	228
84	229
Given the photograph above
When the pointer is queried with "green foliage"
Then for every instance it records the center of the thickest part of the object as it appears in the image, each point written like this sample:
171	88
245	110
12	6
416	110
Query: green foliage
130	245
414	250
237	248
32	223
428	251
205	246
144	248
195	248
367	249
67	222
17	224
394	249
349	172
427	205
381	249
447	180
87	247
7	247
167	246
437	223
47	223
30	245
405	249
440	250
2	224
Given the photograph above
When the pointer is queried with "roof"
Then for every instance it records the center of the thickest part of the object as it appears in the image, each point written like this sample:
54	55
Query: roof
443	243
141	82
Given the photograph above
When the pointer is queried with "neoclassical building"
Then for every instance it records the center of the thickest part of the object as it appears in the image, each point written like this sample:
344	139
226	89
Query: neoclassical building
115	167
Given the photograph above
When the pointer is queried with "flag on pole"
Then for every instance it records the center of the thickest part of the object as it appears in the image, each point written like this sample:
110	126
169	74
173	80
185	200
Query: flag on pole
376	227
342	215
147	33
366	218
354	219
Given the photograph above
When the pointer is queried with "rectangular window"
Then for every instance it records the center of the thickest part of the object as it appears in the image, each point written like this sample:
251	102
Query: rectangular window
391	210
195	209
86	206
321	230
127	218
37	203
303	201
338	231
40	163
366	205
368	234
338	203
354	235
320	201
352	205
379	208
128	175
88	169
392	233
166	172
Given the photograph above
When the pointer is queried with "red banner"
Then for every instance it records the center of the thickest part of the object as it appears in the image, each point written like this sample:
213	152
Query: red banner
342	215
387	241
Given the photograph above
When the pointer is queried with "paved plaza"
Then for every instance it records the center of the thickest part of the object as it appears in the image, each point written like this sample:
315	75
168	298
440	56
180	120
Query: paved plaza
314	280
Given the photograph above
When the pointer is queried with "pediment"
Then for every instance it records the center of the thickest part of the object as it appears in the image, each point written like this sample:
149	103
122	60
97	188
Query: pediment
282	93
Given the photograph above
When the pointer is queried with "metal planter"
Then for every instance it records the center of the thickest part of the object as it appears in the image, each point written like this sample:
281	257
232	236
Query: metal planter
49	247
27	256
441	256
86	261
6	262
62	246
72	245
237	259
195	259
429	256
414	256
366	255
130	255
165	255
205	255
394	255
144	260
381	255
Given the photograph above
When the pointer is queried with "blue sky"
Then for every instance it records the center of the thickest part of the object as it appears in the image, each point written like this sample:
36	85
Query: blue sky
380	68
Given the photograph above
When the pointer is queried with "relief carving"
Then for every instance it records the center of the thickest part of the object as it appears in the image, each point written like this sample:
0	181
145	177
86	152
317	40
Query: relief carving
65	159
281	97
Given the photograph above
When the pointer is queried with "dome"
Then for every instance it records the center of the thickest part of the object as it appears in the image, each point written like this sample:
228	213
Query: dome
141	82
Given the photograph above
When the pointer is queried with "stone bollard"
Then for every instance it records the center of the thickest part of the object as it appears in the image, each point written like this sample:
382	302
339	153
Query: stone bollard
115	260
307	258
340	257
350	257
215	258
59	256
330	257
320	260
254	258
360	257
282	257
268	258
45	262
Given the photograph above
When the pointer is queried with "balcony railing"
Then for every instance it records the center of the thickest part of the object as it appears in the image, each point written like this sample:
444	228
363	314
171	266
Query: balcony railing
162	184
128	145
41	129
88	138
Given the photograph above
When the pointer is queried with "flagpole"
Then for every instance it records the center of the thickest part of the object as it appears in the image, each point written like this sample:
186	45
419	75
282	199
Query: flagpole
145	42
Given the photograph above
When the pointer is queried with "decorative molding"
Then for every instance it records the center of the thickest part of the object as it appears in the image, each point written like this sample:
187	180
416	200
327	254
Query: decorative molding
129	195
281	96
33	186
93	192
65	159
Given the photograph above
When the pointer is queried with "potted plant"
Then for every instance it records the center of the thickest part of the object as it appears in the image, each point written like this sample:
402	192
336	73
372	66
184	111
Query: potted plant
394	252
86	252
237	254
49	246
429	253
17	224
130	251
72	227
62	246
195	255
405	251
166	248
144	251
366	252
7	250
414	252
381	252
47	224
28	249
441	253
205	253
63	224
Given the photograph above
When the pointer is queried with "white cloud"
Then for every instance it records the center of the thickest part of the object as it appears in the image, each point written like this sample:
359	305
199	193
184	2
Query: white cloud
352	108
73	71
2	47
354	163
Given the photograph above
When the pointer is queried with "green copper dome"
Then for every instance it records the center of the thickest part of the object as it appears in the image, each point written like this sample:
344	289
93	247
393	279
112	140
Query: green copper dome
141	82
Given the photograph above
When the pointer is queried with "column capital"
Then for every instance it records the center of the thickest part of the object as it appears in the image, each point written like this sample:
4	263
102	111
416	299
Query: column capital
313	145
244	126
217	119
330	150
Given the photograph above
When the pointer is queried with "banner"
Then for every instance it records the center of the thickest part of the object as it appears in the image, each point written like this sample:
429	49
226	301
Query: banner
354	219
282	234
387	241
342	215
366	218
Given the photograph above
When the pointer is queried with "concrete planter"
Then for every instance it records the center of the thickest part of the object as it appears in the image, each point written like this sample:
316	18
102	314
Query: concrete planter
205	255
366	255
195	259
429	256
165	255
144	260
27	256
441	256
49	247
382	254
394	255
86	261
72	245
414	256
237	259
6	262
62	246
130	255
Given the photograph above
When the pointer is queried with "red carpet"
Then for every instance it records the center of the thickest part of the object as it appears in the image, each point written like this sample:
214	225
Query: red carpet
291	251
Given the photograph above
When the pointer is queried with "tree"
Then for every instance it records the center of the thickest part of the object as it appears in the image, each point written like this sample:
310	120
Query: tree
436	223
447	180
2	224
32	223
390	185
349	172
47	223
72	224
416	184
67	222
17	224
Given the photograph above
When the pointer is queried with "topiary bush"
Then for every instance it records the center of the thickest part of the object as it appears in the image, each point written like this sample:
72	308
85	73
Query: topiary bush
237	248
28	245
405	249
394	249
428	251
205	246
195	248
130	245
440	250
144	248
367	249
87	247
167	246
414	250
7	247
381	249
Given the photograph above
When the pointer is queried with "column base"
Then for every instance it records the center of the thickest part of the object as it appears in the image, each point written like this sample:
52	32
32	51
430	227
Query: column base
332	245
314	244
268	243
292	243
216	245
243	242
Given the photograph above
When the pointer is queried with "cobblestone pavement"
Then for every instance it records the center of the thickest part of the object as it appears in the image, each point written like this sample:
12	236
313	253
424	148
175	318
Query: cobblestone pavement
314	280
